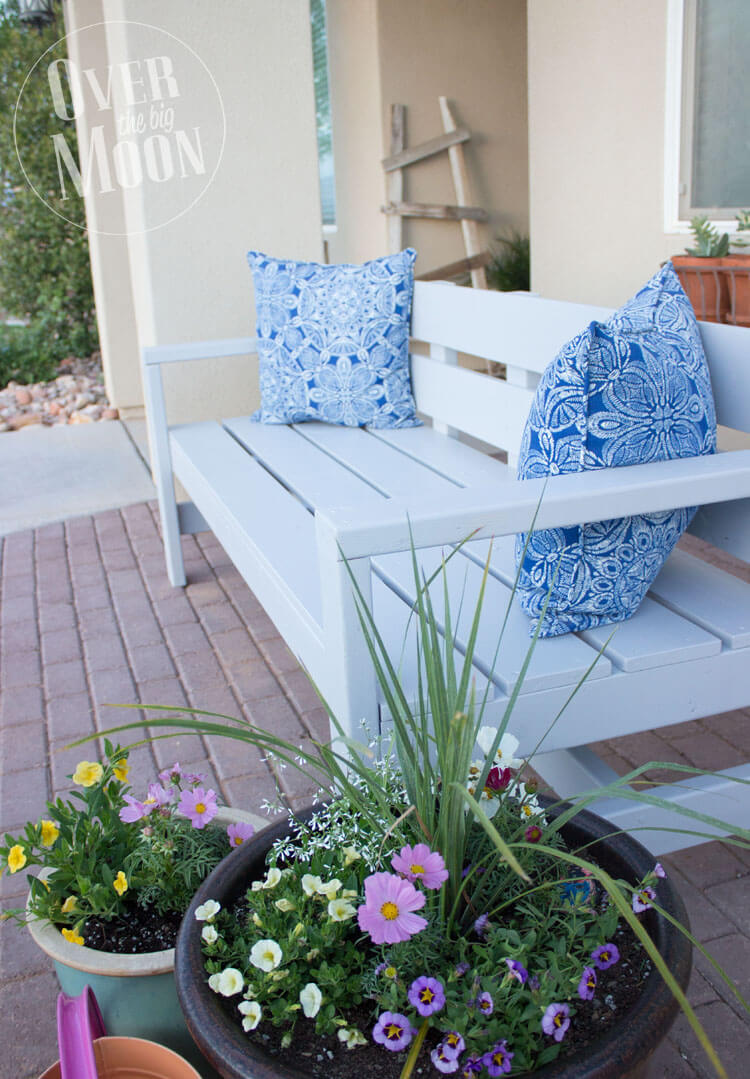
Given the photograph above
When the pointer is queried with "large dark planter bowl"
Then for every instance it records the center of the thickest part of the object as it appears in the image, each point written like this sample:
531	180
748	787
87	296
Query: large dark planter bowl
619	1054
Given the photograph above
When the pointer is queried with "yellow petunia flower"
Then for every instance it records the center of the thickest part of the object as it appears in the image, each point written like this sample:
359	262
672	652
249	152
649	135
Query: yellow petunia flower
71	936
50	832
16	858
120	883
69	905
121	770
88	773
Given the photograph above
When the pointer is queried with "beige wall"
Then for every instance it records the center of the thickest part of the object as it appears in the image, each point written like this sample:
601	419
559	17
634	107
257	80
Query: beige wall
386	51
597	71
189	279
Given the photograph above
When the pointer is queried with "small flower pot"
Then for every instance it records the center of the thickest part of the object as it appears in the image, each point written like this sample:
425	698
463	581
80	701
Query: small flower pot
705	285
136	993
121	1058
621	1053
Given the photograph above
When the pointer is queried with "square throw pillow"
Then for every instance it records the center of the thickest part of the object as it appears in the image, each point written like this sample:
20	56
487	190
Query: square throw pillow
631	390
333	341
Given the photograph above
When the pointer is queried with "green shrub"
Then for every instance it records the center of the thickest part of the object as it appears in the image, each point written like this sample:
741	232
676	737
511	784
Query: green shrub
22	356
45	275
510	268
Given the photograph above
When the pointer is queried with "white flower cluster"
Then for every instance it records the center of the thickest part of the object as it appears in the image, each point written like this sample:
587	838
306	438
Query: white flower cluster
505	757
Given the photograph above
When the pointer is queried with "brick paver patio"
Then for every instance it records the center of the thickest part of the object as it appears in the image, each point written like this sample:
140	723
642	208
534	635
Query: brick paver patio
88	618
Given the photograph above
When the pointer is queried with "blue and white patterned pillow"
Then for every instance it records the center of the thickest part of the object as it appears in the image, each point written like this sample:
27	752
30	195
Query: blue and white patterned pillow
633	389
334	341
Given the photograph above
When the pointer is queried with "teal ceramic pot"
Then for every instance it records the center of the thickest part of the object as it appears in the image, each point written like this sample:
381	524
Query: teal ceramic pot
136	993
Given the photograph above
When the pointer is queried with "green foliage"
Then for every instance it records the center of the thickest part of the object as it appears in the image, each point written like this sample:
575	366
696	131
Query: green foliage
23	357
98	864
45	275
510	268
708	242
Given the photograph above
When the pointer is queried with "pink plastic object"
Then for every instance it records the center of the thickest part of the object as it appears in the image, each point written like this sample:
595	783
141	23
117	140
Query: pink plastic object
79	1021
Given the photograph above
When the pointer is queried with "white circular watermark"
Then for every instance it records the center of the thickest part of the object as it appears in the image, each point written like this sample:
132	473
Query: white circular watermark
149	119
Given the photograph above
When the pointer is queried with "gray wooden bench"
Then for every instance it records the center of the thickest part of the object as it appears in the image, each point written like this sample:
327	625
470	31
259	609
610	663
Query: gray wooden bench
285	501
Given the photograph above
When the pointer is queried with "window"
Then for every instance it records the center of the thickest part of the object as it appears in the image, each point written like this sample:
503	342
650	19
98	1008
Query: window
714	160
323	111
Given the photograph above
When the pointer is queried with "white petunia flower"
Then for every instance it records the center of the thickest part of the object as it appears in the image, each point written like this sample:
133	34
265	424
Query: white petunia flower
230	982
273	876
213	982
265	955
209	934
311	885
311	998
284	905
505	752
350	855
207	911
251	1012
352	1038
339	910
330	888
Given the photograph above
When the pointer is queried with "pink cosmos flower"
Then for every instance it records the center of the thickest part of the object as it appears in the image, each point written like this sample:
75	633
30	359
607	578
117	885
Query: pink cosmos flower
171	775
157	796
419	863
387	913
199	805
134	810
238	832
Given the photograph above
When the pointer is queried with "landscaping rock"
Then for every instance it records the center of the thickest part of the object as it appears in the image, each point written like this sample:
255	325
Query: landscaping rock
76	395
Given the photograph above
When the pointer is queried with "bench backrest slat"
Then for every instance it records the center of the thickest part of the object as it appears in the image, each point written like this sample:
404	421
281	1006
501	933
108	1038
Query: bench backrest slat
525	333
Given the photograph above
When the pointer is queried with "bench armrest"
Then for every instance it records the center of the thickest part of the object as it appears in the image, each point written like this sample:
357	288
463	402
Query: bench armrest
562	501
198	350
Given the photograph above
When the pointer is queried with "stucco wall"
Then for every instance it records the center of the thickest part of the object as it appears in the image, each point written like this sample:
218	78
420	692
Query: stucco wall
384	52
189	279
597	74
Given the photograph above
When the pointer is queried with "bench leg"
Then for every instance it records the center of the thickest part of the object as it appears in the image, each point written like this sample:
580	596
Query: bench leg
156	418
349	684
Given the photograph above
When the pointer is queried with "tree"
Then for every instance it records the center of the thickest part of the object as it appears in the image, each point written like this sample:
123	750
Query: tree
45	274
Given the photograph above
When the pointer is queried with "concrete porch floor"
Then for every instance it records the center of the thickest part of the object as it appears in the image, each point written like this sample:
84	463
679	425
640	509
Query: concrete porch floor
88	617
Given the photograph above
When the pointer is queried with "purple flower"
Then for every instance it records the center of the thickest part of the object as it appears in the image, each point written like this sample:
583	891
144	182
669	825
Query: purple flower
485	1003
134	810
199	805
517	970
388	911
461	969
555	1021
194	778
587	984
480	925
660	871
471	1067
498	1060
497	779
238	832
419	863
442	1061
534	983
157	796
453	1044
426	995
171	775
643	899
393	1030
533	833
605	956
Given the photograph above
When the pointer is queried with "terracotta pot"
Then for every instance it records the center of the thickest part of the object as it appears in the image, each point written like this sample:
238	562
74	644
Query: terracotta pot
619	1054
126	1058
705	285
736	271
136	993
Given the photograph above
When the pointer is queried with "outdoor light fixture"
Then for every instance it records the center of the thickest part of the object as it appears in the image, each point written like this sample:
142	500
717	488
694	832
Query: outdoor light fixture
37	13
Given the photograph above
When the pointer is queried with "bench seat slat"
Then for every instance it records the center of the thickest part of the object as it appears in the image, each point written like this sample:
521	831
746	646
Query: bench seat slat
718	601
449	457
246	509
561	661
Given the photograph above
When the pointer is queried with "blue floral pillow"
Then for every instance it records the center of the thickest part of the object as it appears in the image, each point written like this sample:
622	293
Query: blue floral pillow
627	391
334	341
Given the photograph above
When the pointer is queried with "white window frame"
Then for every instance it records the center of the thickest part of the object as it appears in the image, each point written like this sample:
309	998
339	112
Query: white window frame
677	106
